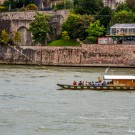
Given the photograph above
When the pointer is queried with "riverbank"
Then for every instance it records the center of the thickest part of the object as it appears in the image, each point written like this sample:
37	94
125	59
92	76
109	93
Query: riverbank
82	56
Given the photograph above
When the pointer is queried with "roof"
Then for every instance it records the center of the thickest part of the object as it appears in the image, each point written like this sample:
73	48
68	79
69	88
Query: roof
118	77
124	25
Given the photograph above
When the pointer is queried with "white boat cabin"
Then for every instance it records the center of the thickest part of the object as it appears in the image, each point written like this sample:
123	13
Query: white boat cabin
120	80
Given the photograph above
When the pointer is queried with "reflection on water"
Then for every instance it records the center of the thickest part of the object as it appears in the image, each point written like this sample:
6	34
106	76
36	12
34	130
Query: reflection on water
31	104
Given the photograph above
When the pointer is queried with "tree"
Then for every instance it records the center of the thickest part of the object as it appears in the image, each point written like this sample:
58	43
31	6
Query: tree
104	16
65	36
69	24
22	3
40	28
131	4
81	26
31	7
122	17
121	7
17	37
3	8
94	31
88	6
5	36
12	3
76	25
17	3
66	4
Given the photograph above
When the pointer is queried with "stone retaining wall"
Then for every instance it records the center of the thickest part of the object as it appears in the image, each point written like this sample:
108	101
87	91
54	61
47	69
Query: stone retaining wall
85	55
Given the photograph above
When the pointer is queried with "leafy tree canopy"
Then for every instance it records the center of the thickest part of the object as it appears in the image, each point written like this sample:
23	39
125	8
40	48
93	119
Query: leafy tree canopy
88	6
70	23
40	28
5	36
121	7
122	17
94	31
104	16
76	25
65	36
131	4
66	4
17	3
17	37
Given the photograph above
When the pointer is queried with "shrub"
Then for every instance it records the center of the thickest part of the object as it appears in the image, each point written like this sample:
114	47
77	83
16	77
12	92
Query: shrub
64	5
5	36
3	8
31	7
65	36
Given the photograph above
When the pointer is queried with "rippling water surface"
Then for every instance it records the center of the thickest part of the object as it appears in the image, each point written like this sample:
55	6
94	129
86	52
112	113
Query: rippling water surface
32	104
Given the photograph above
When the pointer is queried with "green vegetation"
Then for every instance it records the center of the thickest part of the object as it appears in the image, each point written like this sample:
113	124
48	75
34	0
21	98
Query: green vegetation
104	16
65	36
131	4
31	7
40	28
94	31
17	37
122	16
122	7
3	8
76	25
88	6
17	3
62	42
67	4
5	36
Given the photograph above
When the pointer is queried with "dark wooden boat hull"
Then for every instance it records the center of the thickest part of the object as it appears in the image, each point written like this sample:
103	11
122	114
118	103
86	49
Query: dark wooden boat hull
72	87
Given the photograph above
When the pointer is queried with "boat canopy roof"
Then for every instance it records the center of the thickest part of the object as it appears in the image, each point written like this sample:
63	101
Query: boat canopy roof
118	77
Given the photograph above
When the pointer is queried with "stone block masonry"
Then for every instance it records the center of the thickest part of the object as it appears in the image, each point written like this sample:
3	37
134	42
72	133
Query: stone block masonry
85	55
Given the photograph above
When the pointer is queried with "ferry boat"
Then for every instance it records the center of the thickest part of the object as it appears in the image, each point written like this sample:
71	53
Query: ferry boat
110	82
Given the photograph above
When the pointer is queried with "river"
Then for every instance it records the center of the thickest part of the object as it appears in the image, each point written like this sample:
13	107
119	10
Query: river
32	104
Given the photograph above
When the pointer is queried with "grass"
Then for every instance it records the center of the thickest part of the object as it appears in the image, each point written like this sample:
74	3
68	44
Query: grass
61	42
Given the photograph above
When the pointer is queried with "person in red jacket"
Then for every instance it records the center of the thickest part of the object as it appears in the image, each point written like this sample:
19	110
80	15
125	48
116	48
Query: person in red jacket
74	83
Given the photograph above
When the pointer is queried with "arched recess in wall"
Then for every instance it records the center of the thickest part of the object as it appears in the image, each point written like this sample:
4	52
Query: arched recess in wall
26	38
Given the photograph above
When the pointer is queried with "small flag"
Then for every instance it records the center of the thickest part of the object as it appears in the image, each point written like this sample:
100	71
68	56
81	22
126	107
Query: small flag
107	69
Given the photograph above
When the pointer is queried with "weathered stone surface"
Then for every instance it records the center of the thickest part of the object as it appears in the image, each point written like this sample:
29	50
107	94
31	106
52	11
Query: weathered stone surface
85	55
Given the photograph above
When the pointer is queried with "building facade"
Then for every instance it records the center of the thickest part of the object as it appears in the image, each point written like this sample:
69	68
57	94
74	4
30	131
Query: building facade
113	3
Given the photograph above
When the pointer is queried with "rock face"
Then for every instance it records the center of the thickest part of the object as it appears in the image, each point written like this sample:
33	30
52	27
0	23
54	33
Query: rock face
19	21
85	55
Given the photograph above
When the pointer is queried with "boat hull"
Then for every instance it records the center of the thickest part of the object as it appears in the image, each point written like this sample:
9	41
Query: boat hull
72	87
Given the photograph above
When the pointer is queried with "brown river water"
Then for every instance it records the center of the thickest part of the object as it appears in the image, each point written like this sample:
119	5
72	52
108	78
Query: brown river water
32	104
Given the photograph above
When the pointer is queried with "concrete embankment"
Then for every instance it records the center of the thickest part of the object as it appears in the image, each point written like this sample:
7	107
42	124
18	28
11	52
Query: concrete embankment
85	55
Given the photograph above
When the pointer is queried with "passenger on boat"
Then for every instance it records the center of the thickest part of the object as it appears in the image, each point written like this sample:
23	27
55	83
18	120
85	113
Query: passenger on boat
92	84
74	83
104	83
100	84
96	84
87	83
80	83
